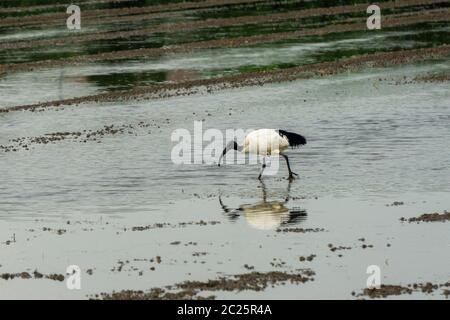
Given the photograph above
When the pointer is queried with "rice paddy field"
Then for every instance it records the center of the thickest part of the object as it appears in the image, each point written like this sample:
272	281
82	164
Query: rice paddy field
87	177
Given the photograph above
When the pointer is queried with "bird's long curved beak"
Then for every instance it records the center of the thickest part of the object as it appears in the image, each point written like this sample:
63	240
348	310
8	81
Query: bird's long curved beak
232	145
221	156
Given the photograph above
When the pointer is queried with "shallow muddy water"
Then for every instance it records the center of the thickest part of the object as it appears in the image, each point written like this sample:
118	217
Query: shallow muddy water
370	143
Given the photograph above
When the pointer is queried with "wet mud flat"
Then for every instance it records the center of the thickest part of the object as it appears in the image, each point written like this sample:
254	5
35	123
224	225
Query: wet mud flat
84	136
139	13
396	290
352	24
250	78
235	42
101	14
182	243
183	260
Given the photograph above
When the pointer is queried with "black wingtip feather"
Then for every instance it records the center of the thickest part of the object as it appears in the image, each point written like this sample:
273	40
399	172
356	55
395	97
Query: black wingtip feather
294	139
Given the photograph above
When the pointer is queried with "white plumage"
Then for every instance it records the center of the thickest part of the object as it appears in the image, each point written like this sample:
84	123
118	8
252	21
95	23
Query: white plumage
267	142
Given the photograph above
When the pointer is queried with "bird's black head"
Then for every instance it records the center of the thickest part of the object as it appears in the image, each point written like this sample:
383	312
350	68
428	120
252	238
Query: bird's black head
294	139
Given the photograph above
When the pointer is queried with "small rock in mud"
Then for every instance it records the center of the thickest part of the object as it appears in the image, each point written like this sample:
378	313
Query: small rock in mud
334	248
308	258
395	204
56	277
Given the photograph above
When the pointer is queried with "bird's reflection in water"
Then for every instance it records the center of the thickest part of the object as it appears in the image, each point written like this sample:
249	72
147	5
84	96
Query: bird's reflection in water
266	215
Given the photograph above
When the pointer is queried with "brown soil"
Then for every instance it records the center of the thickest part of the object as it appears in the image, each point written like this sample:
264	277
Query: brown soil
36	275
385	291
169	225
11	276
153	294
99	15
395	290
300	230
55	277
308	13
57	5
25	143
255	281
446	293
429	217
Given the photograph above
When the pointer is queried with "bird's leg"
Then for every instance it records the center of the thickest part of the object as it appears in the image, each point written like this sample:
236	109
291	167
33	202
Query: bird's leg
288	196
262	169
291	174
264	191
224	207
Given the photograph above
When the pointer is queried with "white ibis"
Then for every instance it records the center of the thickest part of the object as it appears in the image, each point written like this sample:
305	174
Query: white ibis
266	215
267	142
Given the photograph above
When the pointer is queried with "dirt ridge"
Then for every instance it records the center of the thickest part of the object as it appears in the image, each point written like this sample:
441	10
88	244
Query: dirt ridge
380	59
221	43
188	26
